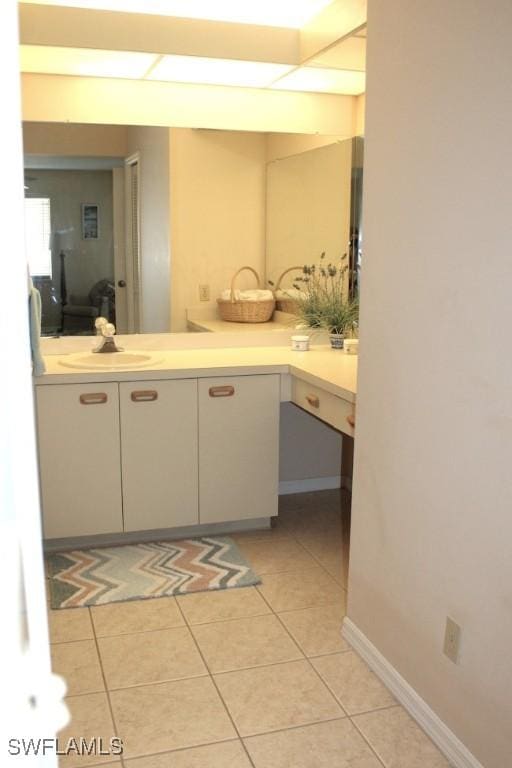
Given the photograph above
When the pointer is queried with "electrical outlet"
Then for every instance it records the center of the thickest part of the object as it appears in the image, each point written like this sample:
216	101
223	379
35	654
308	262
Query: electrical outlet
204	293
452	640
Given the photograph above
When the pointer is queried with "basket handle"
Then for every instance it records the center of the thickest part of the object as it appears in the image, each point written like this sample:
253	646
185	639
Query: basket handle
290	269
236	275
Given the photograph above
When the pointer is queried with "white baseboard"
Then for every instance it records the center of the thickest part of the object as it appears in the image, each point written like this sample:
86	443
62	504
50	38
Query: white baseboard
454	750
309	484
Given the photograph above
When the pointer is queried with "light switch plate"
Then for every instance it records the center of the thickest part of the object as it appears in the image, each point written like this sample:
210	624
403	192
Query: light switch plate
452	640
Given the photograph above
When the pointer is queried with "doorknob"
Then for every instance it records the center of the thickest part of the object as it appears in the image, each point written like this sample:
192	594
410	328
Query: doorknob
121	283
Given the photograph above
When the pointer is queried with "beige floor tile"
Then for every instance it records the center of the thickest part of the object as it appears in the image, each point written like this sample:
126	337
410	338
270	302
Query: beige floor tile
301	589
276	556
136	616
150	657
336	744
204	607
353	683
229	754
90	718
78	663
398	741
274	697
276	533
317	630
70	624
159	718
239	643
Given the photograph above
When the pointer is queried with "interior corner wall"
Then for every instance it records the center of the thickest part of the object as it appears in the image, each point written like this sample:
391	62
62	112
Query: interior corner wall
432	493
217	204
155	256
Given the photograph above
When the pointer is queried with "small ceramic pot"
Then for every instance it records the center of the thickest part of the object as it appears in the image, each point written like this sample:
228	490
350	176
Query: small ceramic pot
300	343
337	340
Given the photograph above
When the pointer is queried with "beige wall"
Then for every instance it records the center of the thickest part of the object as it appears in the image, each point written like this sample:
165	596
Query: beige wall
360	114
281	145
75	139
217	213
56	98
308	208
431	520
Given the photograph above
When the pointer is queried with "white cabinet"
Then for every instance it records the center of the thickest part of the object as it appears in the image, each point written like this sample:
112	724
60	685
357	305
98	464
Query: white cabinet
138	456
78	435
238	447
159	453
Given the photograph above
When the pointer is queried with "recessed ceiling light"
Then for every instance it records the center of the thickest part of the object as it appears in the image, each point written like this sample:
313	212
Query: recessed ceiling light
85	62
275	13
320	80
196	69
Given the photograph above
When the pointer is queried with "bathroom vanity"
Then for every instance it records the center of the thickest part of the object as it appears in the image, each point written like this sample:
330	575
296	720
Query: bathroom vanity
191	439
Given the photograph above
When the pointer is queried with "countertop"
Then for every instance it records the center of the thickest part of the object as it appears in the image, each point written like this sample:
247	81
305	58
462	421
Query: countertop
332	370
210	321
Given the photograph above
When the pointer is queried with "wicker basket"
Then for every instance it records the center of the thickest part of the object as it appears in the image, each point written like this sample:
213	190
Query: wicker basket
236	311
286	305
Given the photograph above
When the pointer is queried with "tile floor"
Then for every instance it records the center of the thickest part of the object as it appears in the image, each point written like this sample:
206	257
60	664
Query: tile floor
255	677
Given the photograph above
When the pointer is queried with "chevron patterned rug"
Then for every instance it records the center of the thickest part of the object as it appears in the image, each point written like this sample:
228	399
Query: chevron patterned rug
137	571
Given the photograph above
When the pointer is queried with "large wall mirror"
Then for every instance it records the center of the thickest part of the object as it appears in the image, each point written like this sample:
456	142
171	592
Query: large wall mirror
141	224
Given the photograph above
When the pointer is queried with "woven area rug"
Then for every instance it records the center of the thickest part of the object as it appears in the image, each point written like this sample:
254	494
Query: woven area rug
137	571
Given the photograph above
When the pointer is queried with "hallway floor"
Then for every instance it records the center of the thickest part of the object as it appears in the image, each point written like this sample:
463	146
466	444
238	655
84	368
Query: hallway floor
257	677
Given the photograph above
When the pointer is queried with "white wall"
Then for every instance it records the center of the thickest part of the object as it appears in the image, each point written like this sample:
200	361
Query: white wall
217	213
153	145
431	521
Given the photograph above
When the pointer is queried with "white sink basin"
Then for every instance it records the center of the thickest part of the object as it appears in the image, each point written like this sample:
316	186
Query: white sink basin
103	361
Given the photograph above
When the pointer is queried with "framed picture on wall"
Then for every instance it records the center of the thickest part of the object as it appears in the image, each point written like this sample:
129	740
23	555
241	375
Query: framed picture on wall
90	221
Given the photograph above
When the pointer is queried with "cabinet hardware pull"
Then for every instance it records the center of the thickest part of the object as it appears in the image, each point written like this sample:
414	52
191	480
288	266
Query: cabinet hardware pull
313	400
226	391
94	398
144	395
351	420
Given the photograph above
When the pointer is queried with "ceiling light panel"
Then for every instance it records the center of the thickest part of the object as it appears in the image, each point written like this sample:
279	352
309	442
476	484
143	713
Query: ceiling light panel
276	13
195	69
317	80
85	62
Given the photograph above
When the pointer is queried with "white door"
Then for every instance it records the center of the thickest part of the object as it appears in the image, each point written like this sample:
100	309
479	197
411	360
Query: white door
30	697
79	457
238	447
159	453
120	271
132	243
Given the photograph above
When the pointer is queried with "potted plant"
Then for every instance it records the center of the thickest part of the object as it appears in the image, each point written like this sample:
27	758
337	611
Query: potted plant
324	301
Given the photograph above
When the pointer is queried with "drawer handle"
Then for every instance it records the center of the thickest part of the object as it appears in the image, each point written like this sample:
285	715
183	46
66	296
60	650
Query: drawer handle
94	398
351	420
144	395
225	391
313	400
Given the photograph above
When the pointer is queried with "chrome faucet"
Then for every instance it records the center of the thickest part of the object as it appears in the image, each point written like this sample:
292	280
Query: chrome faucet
106	331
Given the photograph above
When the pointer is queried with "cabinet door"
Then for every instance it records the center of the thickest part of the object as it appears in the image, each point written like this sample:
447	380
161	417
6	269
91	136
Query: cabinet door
159	453
78	436
238	447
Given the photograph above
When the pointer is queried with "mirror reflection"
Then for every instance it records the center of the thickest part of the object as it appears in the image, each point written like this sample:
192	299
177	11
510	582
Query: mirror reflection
147	226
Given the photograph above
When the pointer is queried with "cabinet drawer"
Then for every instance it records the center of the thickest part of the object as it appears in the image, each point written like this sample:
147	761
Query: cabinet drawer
324	405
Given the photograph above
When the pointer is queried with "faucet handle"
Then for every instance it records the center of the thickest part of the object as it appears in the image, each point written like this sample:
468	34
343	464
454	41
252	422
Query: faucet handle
108	330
